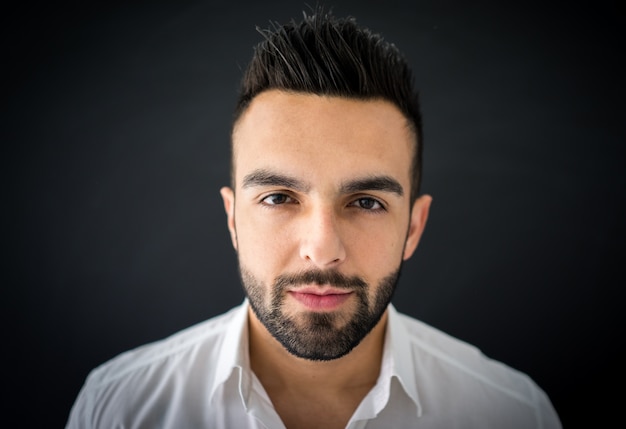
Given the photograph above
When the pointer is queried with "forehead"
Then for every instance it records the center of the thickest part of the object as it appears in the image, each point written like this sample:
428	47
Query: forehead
318	135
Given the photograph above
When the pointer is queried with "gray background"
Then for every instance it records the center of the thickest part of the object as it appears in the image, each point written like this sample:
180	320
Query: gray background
115	121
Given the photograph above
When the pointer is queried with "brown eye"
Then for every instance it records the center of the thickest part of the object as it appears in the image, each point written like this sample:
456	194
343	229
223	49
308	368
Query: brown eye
367	203
276	199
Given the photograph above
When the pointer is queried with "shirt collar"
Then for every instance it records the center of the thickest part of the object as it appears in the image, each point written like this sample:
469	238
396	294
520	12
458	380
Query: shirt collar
234	353
397	358
397	363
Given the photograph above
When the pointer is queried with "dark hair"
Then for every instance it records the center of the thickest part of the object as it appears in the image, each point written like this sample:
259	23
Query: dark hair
325	55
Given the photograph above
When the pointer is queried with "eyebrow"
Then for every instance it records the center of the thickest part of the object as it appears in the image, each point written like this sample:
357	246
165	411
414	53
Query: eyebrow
374	183
264	177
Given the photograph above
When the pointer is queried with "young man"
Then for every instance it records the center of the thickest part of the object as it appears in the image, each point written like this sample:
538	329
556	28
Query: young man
324	208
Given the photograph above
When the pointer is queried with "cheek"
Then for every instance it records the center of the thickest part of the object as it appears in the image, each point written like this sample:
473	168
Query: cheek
377	249
262	247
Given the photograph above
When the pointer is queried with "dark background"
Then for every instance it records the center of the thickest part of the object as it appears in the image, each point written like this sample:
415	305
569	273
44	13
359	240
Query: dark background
115	122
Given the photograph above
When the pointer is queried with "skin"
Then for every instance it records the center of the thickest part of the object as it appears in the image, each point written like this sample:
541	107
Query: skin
314	221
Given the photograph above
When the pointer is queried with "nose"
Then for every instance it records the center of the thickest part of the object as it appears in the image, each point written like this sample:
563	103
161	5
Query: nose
321	243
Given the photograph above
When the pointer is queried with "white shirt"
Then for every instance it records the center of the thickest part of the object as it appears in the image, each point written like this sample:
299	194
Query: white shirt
201	378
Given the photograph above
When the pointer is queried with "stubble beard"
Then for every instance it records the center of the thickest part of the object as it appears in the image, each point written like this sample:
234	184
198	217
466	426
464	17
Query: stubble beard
319	336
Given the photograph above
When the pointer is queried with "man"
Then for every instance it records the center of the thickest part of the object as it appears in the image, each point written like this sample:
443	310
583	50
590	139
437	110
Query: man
324	208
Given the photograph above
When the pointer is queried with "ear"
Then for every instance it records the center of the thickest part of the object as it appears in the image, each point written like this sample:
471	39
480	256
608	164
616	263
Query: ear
228	197
419	216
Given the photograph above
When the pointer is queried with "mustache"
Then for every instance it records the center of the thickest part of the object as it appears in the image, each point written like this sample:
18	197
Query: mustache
320	277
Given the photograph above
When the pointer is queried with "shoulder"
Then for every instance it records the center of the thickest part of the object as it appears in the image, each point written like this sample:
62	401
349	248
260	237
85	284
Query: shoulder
428	342
204	337
146	382
447	367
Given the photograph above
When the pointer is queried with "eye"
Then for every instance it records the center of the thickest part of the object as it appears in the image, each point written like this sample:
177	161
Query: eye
276	199
367	203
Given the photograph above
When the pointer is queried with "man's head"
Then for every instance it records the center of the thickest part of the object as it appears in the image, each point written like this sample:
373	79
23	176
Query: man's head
324	177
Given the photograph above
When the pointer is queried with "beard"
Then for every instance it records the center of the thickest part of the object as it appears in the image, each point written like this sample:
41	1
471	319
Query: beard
319	336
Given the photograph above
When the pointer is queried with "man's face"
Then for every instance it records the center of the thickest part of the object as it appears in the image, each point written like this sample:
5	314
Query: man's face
322	216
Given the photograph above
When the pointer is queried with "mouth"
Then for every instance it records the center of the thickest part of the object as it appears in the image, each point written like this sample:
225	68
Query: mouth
320	298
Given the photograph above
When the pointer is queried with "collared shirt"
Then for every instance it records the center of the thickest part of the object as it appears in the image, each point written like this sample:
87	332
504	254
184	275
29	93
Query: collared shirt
201	378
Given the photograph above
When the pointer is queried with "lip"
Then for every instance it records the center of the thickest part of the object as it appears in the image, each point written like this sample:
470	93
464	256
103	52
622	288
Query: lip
321	290
320	298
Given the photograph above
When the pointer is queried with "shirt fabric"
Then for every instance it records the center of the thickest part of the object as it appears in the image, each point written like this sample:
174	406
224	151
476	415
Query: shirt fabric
201	378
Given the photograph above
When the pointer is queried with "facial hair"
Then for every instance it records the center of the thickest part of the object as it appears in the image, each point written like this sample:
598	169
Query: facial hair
318	336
